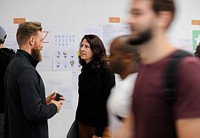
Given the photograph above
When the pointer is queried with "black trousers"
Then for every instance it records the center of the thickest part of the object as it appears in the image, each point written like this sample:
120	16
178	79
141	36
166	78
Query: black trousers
85	131
1	125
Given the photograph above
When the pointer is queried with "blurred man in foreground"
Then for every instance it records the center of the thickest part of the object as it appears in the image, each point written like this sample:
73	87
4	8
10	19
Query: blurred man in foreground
151	115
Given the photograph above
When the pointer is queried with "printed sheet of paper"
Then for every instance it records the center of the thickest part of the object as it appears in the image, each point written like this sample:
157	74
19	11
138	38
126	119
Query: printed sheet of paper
60	84
65	53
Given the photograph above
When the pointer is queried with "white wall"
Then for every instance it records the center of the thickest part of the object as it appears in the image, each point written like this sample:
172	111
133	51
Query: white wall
74	16
181	30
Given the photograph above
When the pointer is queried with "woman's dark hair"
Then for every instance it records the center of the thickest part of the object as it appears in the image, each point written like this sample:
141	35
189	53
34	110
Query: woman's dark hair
98	49
197	52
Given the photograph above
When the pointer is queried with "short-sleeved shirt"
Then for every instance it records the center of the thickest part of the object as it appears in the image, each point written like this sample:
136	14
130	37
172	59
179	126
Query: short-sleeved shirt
150	106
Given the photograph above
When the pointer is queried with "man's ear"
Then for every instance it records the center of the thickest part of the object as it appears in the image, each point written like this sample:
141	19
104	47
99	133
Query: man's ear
127	58
165	18
31	41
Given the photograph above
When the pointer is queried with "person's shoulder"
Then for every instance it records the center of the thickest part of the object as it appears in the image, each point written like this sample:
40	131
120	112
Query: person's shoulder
7	50
132	76
184	57
106	68
190	63
190	60
19	61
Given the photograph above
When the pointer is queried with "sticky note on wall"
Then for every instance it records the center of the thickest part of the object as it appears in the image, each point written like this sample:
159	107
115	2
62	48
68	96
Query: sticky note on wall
195	22
114	20
19	20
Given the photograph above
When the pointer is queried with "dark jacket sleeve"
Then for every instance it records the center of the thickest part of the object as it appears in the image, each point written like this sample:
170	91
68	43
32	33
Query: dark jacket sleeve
108	81
33	96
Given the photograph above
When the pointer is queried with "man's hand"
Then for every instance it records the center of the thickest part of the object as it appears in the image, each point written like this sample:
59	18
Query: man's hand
50	97
58	104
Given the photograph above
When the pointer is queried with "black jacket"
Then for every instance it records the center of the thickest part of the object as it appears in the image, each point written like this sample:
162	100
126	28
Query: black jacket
94	89
5	57
26	111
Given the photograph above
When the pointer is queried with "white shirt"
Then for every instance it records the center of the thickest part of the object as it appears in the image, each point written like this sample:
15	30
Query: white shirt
119	101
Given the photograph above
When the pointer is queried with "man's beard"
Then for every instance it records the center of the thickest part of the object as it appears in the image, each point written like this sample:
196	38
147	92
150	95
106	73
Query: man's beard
36	54
142	38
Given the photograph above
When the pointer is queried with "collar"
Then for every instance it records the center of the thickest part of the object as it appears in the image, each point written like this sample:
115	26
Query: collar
29	57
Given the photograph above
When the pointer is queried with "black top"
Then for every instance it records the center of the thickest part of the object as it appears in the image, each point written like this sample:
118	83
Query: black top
26	111
5	57
94	89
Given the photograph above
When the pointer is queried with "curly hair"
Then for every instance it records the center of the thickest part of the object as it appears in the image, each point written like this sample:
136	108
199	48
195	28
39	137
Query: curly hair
197	52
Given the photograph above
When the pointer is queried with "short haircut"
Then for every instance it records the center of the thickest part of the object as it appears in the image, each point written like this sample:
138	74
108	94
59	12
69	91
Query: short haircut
126	47
26	30
164	5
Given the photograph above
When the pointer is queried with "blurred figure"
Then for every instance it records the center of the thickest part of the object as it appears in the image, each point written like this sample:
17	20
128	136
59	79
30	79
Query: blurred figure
6	55
27	109
95	83
197	52
124	61
151	115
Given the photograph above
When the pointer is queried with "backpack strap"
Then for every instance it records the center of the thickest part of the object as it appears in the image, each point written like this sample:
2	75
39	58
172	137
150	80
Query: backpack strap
170	75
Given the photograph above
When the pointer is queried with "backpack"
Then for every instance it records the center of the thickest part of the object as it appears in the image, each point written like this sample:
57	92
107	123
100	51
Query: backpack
170	75
170	83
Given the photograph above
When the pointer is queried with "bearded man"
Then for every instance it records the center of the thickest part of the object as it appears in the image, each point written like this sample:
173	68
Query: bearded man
27	109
